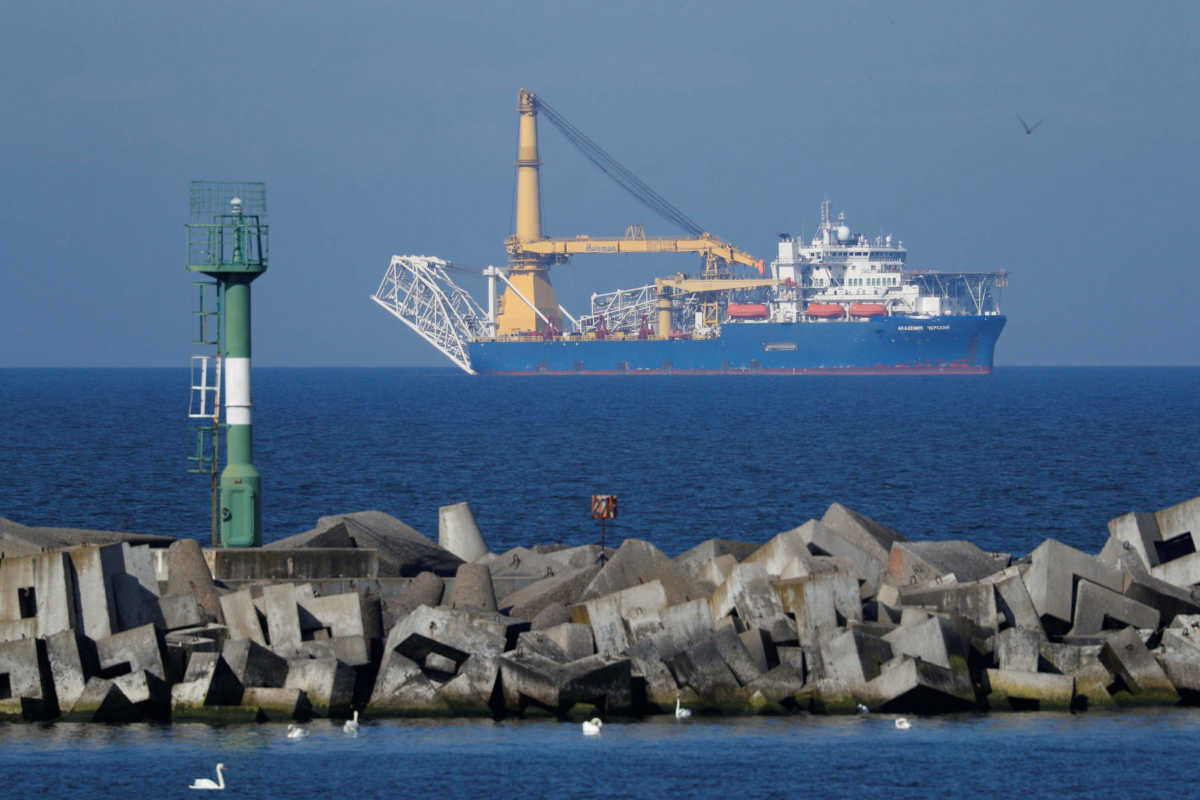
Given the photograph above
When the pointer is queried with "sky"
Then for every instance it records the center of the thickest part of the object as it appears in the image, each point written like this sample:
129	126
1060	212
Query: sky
391	128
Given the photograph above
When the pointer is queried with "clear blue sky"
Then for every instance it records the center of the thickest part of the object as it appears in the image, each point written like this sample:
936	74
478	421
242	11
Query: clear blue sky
385	129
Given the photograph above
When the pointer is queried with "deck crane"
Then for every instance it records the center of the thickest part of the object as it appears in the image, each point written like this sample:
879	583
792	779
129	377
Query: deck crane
529	303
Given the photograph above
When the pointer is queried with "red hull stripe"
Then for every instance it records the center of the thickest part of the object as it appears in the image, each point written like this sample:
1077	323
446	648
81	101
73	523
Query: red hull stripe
899	370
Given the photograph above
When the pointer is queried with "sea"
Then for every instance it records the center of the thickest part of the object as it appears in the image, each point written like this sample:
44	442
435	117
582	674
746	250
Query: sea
1004	461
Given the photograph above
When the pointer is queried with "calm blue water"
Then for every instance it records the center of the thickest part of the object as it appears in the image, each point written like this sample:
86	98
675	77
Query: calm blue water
1002	755
1004	461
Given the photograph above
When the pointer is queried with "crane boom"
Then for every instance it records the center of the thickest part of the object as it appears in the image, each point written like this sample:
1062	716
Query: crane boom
533	306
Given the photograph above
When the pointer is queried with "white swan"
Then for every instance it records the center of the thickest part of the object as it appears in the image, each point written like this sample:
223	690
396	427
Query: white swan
209	783
592	726
862	709
903	724
351	725
296	732
680	711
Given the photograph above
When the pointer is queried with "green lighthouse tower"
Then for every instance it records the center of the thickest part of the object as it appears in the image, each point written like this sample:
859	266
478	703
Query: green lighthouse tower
227	240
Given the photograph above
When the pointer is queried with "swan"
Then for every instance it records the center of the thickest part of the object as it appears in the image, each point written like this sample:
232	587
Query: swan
592	726
680	711
903	724
296	732
209	783
351	725
862	709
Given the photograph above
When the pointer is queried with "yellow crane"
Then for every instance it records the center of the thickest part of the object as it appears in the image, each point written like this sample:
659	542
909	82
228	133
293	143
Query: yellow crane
530	254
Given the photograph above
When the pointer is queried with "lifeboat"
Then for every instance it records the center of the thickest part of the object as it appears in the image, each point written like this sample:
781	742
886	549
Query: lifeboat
747	311
867	310
825	310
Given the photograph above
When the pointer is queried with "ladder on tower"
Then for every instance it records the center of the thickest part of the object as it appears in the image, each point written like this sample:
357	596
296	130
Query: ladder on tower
204	401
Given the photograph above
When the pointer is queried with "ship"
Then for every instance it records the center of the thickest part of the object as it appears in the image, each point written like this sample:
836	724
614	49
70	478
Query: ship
840	303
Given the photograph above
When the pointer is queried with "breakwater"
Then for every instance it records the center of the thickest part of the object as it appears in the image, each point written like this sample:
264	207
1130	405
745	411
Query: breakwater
364	613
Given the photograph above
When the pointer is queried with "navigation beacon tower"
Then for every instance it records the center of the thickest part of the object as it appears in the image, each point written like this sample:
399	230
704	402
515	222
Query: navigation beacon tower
227	241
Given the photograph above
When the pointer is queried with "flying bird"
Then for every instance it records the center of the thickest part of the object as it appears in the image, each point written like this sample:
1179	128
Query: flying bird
1029	128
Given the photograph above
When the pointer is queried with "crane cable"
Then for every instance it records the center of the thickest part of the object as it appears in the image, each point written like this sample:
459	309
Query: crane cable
619	173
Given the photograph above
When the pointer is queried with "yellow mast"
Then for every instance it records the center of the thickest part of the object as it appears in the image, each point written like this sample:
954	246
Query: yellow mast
527	271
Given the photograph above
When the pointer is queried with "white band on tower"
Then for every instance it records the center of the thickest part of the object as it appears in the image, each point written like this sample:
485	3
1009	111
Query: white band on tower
237	391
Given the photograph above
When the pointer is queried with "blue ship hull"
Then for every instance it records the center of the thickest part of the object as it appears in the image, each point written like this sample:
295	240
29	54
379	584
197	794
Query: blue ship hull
904	345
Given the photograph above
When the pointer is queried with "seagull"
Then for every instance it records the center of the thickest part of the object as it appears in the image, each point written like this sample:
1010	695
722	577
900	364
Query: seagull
209	783
862	709
351	725
296	732
1029	128
592	726
680	711
903	724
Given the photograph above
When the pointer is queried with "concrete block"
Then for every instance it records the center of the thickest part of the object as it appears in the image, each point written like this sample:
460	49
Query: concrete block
458	533
827	696
150	694
26	684
778	686
806	565
188	574
567	588
595	680
1098	608
575	641
425	589
102	701
453	633
132	585
242	617
181	611
854	658
72	661
1170	600
1051	579
911	685
254	665
138	649
572	558
538	643
820	603
209	681
1145	683
1014	605
975	601
936	640
646	664
517	568
918	562
715	572
1134	533
97	610
779	552
637	562
736	656
868	566
1183	571
473	691
695	560
683	625
403	689
614	617
403	552
38	591
473	588
702	669
1081	662
762	649
1179	519
550	616
861	531
747	591
277	704
345	614
1017	650
328	683
1016	690
283	620
1179	656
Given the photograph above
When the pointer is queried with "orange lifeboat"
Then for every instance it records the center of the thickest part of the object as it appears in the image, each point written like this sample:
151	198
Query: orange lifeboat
825	310
747	311
867	310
